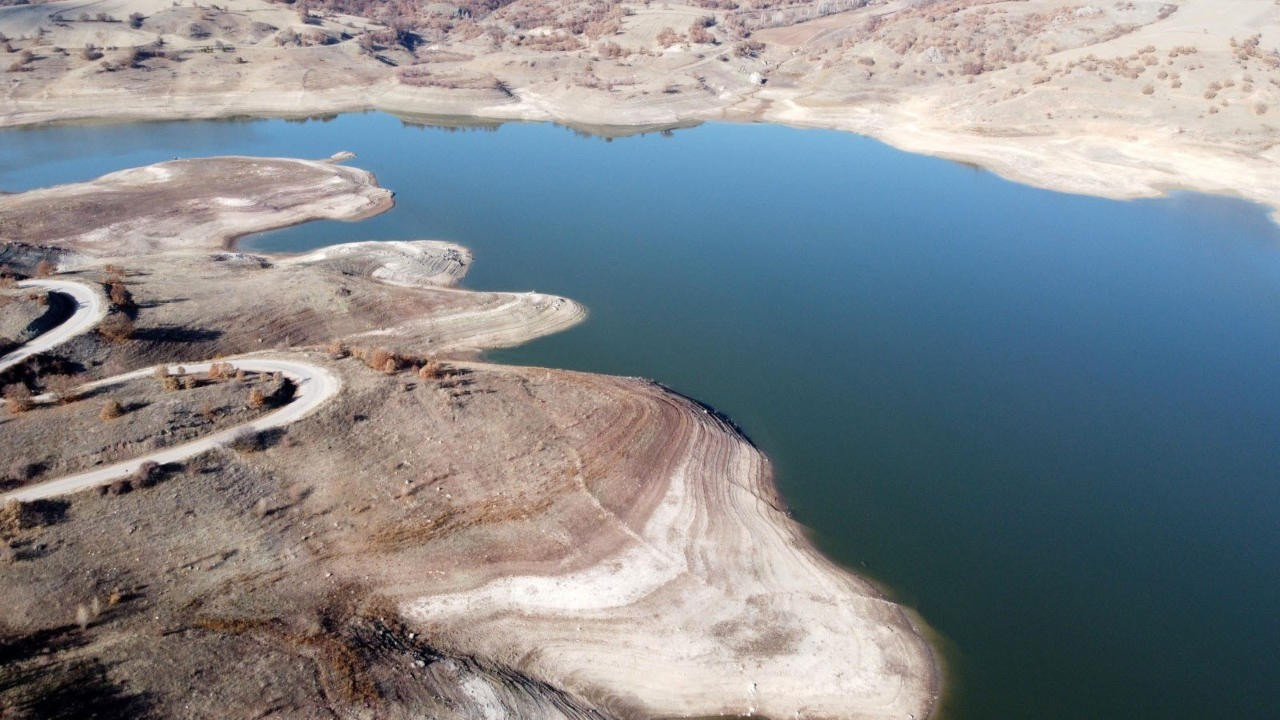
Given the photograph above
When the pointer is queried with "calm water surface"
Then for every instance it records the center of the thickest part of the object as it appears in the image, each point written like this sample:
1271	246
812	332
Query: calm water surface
1049	423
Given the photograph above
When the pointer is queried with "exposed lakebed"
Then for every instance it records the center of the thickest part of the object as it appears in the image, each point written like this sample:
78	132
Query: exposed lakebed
1047	422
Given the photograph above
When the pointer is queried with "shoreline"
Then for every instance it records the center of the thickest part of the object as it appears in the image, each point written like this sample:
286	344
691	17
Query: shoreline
1142	164
766	488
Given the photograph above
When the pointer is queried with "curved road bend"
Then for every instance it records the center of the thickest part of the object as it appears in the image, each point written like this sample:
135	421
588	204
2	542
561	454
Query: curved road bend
315	386
90	309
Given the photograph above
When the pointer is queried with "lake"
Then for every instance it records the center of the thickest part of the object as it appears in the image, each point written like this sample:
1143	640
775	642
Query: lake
1047	422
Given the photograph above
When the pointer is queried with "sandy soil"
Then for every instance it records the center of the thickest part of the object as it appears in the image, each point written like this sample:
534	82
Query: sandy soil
442	537
1121	100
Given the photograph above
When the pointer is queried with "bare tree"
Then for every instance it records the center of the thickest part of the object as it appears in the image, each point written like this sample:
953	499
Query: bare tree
64	387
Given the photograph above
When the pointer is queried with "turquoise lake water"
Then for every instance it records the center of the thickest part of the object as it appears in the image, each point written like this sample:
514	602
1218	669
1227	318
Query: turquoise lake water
1049	423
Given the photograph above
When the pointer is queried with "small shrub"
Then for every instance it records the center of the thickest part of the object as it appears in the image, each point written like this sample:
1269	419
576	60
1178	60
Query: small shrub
22	471
65	387
120	296
256	398
377	359
668	37
24	58
251	441
135	20
17	516
111	409
116	327
91	52
45	268
430	370
284	393
17	399
221	371
147	474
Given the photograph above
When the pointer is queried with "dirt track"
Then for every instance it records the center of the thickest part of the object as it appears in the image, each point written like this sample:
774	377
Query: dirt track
90	309
315	386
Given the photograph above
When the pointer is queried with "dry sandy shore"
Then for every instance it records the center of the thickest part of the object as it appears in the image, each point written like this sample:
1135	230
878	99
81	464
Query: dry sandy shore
202	204
1114	99
464	541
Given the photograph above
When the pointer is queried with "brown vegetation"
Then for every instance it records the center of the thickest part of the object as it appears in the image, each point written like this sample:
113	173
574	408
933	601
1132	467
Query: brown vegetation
116	327
22	61
147	474
65	388
121	298
111	409
430	370
221	371
17	399
17	517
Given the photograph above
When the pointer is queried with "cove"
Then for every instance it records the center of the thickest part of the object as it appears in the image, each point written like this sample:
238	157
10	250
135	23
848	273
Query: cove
1047	422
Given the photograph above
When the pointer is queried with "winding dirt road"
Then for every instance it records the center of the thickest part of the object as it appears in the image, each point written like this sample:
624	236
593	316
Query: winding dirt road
315	386
90	309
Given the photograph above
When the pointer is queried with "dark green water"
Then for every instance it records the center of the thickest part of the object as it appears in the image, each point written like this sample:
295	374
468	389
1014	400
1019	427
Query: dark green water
1047	422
